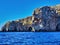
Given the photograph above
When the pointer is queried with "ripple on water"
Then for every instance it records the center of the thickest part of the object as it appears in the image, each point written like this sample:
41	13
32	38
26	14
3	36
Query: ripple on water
30	38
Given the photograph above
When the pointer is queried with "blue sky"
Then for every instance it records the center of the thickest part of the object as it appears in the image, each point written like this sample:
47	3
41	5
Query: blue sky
17	9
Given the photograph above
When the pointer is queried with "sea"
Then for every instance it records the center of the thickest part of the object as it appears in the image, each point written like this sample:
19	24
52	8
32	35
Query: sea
29	38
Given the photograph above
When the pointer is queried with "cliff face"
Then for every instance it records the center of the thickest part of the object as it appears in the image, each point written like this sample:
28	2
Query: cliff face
46	19
18	25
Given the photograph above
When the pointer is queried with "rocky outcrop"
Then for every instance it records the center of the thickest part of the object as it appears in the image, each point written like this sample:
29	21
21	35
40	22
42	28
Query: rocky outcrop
46	18
18	25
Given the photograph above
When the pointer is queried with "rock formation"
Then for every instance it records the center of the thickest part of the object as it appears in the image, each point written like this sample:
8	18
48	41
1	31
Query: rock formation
18	25
46	18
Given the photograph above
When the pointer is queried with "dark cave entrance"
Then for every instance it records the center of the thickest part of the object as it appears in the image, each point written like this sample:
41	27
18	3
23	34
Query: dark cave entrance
58	27
30	29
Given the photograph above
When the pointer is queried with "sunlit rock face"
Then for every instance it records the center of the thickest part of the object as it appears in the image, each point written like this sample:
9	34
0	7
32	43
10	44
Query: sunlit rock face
57	7
6	27
46	18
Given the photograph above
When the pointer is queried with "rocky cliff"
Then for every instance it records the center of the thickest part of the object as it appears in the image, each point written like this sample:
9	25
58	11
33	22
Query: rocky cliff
46	18
18	25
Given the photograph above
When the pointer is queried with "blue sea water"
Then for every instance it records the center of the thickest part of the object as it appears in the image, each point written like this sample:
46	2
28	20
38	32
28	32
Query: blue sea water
29	38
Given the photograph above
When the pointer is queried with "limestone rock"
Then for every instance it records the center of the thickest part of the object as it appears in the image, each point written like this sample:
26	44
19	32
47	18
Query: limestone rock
46	18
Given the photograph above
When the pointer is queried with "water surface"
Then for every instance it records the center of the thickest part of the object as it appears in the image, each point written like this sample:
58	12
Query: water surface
30	38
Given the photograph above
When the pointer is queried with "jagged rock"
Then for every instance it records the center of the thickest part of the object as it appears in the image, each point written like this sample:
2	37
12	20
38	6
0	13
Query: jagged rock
44	19
47	15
